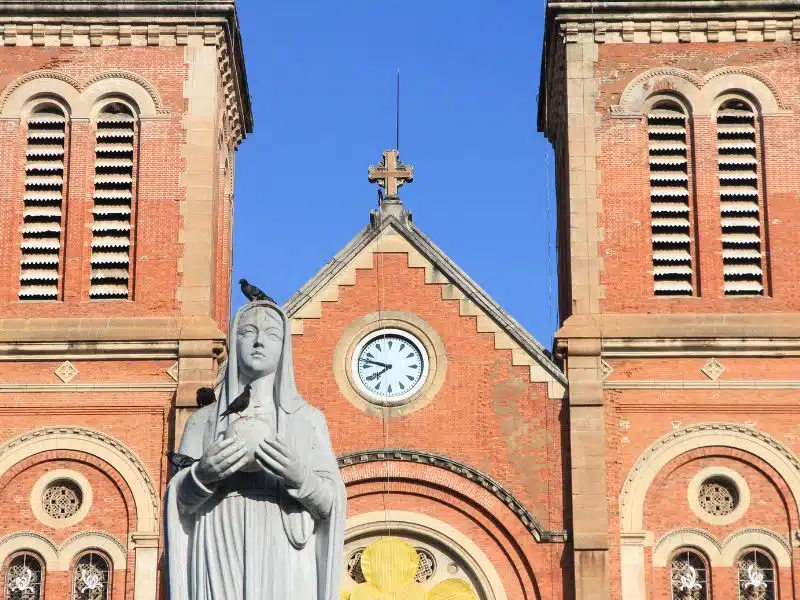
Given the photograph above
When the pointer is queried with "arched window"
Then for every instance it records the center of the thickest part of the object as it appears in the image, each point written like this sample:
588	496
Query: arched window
42	232
91	579
756	576
742	227
409	563
689	576
114	186
670	201
23	577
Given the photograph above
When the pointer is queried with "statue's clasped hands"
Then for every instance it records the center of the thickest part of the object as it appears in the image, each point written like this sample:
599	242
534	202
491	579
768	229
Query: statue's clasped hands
222	459
279	459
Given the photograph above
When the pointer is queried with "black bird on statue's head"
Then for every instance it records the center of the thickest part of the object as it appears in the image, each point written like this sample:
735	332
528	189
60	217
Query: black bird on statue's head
205	396
241	402
252	293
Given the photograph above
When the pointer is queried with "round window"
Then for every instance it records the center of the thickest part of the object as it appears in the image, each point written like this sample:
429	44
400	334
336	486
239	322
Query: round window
62	499
718	496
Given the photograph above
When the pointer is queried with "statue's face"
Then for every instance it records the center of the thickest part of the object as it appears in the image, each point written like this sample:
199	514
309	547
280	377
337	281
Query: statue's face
259	342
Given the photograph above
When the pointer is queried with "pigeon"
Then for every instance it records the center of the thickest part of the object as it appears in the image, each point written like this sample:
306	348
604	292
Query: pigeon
205	396
180	461
253	293
241	402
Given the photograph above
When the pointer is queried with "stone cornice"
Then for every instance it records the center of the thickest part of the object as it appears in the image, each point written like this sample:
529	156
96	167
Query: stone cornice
539	533
139	23
656	28
691	346
713	331
18	331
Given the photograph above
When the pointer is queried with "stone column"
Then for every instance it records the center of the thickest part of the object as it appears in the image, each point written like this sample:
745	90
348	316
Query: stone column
587	413
145	574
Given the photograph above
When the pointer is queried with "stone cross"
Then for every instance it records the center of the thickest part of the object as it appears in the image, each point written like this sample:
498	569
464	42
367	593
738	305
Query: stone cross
391	173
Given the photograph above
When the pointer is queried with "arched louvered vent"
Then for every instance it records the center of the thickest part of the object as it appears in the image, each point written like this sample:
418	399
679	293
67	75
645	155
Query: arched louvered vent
40	263
113	203
669	200
739	202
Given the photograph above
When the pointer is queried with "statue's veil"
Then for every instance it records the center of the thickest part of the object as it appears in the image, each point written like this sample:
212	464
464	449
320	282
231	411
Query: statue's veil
286	395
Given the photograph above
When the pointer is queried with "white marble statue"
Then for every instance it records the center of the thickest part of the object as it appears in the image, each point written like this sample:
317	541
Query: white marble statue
260	515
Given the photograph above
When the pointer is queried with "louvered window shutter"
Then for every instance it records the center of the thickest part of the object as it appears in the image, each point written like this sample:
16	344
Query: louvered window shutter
42	236
670	200
742	260
113	203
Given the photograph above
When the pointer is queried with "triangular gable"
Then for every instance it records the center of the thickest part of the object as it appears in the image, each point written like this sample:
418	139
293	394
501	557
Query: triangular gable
394	236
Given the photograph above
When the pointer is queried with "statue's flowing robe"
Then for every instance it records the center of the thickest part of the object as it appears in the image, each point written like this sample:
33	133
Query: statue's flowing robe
250	537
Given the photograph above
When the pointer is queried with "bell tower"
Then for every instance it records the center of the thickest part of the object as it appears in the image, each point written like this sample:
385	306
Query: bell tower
119	123
672	125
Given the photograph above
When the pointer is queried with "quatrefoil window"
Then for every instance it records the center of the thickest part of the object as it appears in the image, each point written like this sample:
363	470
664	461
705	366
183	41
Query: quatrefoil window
62	499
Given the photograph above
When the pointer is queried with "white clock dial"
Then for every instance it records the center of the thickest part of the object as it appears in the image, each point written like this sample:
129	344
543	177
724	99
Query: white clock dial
389	366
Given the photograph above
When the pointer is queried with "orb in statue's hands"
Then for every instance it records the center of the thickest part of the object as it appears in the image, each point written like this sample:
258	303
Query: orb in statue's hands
251	432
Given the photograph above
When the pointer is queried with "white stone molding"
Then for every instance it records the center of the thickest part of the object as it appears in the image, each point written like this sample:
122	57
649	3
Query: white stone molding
687	537
725	553
652	347
419	525
35	542
38	388
646	26
86	350
124	83
700	93
742	490
93	540
758	537
104	447
684	384
38	490
80	97
59	558
703	435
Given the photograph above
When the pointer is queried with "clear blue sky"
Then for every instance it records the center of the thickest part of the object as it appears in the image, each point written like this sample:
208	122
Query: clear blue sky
322	81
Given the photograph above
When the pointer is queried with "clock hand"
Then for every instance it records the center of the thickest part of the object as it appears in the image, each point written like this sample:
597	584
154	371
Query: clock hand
375	362
379	373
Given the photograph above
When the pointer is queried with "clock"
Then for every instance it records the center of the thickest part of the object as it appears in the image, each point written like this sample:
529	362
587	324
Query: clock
389	366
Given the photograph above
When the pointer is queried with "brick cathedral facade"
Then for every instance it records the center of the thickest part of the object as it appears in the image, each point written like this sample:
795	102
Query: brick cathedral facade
653	454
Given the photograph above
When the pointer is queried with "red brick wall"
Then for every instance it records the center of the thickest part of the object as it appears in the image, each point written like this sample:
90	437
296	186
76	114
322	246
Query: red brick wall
487	413
624	183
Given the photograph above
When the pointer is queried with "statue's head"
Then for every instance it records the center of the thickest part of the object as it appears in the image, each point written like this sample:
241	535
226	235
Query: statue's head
259	342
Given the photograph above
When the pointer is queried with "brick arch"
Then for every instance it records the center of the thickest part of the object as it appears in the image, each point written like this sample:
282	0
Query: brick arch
78	457
662	452
464	505
731	455
700	93
704	435
114	452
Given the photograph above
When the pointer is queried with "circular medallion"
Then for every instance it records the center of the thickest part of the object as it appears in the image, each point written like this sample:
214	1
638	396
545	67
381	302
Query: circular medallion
389	366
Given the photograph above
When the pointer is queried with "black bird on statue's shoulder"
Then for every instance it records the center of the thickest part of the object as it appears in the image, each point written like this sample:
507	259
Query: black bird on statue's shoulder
241	402
252	293
205	396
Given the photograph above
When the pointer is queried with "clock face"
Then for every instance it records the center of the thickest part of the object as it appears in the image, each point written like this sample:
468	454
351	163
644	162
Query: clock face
389	366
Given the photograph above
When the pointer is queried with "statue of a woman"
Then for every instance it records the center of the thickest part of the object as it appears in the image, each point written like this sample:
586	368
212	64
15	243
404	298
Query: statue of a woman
260	515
